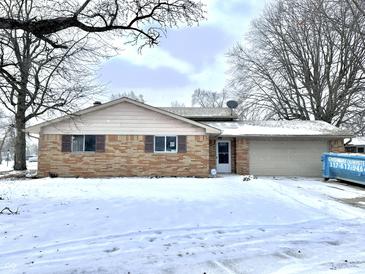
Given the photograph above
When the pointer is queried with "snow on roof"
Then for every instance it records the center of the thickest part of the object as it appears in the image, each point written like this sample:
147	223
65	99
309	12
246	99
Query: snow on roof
279	128
358	141
198	112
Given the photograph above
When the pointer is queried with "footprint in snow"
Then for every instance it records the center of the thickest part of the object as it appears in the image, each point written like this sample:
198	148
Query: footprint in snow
114	249
333	242
294	253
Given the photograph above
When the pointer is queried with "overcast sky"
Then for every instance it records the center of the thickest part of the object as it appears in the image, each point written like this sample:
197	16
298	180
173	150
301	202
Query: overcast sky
188	58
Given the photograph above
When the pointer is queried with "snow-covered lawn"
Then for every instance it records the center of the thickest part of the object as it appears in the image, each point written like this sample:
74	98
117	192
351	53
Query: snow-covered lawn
181	225
8	166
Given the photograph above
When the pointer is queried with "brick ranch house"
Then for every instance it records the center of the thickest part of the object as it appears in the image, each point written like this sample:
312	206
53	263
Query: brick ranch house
128	138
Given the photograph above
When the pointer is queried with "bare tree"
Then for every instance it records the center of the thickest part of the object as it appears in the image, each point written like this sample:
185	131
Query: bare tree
36	78
359	5
9	142
300	64
356	24
177	104
357	124
209	99
130	95
47	47
3	138
6	128
138	20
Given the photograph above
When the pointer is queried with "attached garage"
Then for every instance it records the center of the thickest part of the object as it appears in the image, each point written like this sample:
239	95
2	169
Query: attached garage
286	157
276	148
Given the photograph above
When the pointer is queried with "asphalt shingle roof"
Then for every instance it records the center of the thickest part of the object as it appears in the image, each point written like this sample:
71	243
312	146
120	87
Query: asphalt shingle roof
198	112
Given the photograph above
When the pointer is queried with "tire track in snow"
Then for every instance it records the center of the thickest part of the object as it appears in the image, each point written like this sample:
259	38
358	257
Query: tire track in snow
224	242
221	266
171	234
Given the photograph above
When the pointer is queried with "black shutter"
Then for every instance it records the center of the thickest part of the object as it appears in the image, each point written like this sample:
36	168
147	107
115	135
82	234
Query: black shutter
100	143
148	143
181	144
66	143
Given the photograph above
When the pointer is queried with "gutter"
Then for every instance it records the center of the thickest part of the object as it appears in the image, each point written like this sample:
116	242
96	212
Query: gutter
288	136
32	136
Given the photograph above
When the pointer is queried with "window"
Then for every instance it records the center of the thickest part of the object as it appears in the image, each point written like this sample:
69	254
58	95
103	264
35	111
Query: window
360	150
223	152
160	143
82	143
77	143
171	143
166	144
90	142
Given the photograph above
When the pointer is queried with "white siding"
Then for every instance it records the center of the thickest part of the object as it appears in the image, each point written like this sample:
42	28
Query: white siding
124	119
286	157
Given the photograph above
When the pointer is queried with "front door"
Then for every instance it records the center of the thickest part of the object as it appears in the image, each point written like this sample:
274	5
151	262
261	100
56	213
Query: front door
223	156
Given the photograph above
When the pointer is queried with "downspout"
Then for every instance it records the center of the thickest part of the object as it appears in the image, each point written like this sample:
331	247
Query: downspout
348	142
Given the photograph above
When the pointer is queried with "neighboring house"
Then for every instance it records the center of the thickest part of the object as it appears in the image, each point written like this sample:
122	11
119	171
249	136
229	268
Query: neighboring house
356	145
128	138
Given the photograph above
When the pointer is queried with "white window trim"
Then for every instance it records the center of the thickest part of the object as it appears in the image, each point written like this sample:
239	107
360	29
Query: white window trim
83	144
165	151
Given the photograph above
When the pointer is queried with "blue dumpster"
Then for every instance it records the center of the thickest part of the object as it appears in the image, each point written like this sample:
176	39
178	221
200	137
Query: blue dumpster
343	166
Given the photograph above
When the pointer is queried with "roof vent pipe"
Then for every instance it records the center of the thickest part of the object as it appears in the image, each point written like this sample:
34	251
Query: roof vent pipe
97	103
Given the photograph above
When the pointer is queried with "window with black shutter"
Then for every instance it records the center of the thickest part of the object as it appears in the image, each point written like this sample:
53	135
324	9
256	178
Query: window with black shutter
83	143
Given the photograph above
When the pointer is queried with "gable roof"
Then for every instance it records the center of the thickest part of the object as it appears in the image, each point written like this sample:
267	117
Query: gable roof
36	128
280	129
230	128
202	113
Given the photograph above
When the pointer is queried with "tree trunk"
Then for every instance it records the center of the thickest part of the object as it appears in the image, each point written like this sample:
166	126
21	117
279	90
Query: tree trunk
1	148
2	143
20	144
20	141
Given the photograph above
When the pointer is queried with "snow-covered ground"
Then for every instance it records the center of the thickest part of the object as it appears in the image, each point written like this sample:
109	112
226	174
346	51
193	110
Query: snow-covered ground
181	225
8	166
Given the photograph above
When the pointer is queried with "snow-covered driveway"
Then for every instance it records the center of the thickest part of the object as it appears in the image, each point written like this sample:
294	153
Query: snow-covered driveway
180	225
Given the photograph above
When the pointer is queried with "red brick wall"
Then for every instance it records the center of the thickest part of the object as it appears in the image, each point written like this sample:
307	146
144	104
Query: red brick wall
212	153
337	146
123	156
242	157
233	155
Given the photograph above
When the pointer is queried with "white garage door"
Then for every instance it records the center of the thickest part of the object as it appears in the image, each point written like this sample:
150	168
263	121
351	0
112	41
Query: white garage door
286	157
